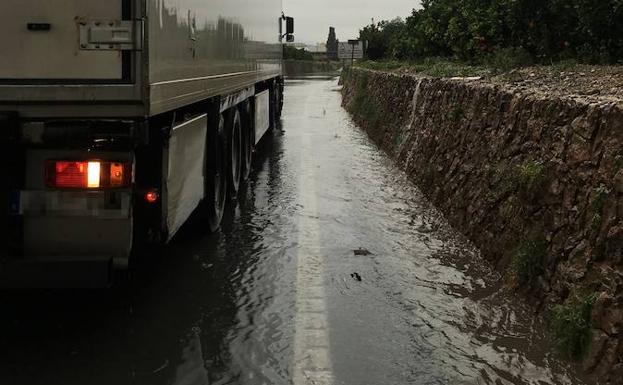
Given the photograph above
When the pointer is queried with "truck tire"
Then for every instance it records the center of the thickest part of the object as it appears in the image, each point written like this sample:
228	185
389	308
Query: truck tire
277	102
216	175
248	139
274	106
280	87
233	127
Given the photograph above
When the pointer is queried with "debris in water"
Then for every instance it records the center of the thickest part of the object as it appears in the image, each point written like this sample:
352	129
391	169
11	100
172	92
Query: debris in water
356	277
361	251
164	366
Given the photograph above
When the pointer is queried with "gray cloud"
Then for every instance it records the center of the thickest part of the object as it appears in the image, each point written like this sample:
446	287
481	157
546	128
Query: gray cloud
313	17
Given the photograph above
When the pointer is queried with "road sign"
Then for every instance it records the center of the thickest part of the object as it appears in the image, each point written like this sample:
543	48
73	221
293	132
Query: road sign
353	49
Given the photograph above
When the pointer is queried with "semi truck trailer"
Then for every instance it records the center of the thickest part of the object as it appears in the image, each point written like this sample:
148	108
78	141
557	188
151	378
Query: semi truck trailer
120	119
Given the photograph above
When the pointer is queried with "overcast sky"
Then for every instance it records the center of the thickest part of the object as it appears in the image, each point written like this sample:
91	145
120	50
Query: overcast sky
314	17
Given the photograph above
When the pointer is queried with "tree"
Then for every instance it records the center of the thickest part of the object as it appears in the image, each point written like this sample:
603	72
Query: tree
514	30
332	44
382	38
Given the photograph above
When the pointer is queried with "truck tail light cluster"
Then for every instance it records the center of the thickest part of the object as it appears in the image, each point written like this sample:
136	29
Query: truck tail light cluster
69	174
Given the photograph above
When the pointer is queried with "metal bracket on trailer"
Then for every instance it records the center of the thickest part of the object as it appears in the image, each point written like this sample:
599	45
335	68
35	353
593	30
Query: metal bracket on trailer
111	35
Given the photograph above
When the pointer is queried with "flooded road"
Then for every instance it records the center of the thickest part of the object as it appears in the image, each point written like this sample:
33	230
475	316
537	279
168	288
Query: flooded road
332	269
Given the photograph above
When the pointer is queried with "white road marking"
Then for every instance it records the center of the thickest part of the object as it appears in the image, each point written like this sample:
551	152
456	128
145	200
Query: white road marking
312	359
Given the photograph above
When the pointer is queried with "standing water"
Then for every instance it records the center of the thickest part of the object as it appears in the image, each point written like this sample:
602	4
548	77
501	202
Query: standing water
332	269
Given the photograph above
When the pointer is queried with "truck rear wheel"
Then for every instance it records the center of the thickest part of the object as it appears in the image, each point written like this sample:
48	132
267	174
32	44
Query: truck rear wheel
248	140
233	126
276	104
216	176
280	88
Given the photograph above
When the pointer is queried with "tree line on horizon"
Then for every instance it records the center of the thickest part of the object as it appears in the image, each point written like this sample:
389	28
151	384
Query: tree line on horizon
293	53
538	31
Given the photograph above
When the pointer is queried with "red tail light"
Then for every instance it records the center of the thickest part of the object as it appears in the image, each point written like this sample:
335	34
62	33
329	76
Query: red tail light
151	197
67	174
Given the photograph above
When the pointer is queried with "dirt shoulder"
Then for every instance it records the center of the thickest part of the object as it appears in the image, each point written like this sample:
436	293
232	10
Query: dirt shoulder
590	83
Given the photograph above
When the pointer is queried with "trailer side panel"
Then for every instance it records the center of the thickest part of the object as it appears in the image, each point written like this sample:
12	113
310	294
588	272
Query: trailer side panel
202	49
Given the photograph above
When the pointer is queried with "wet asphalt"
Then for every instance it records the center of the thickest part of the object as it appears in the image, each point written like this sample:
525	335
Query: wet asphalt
332	268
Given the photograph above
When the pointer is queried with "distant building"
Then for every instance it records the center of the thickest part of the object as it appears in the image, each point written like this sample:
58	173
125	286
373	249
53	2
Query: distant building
321	47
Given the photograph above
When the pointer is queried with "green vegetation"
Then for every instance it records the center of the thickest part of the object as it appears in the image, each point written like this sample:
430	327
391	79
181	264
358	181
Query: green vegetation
456	113
499	176
362	104
528	261
506	59
435	67
600	194
531	178
361	92
426	177
291	53
571	324
596	221
503	33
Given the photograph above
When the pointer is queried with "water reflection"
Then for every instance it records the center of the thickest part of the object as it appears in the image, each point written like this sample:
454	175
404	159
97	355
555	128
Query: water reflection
190	39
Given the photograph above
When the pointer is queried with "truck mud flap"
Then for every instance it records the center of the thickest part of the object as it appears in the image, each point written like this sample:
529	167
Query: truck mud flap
50	273
13	156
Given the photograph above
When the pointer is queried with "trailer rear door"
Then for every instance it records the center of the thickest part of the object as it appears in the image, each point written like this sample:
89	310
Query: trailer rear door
44	40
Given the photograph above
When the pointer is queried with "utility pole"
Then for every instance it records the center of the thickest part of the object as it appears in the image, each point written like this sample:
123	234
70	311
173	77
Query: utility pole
353	44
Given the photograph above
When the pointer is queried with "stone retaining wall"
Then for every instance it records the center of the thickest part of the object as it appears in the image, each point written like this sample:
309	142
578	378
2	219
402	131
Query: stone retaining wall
535	182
